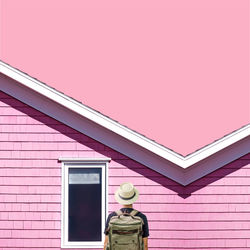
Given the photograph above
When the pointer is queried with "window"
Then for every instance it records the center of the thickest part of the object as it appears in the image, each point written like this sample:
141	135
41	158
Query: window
84	202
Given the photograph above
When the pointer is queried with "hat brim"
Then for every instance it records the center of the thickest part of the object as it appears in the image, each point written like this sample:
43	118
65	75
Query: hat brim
126	202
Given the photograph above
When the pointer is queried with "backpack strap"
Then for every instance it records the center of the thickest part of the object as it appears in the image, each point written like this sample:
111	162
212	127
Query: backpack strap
119	212
134	212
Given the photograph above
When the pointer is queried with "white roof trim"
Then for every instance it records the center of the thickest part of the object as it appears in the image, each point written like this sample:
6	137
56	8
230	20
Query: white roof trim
117	128
85	160
216	146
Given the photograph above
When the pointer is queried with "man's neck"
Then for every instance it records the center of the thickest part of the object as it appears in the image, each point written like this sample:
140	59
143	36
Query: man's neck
128	206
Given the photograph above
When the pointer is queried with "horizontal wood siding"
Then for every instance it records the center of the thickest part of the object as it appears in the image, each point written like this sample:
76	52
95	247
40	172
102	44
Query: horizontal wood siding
210	213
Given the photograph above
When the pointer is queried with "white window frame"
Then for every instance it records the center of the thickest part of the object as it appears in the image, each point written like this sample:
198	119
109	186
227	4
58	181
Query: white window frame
68	163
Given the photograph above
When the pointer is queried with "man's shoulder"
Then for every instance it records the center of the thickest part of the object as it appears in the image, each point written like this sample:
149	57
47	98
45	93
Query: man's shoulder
142	215
112	214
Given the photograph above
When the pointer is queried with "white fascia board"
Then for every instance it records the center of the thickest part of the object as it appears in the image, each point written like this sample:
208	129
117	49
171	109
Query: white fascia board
69	103
89	113
216	146
76	160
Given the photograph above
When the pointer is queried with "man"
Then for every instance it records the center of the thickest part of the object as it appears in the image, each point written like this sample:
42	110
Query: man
126	195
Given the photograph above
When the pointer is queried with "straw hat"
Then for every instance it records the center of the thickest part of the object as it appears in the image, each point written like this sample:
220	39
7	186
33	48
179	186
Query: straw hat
126	194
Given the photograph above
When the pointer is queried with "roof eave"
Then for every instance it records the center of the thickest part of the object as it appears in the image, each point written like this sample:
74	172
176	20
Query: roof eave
126	141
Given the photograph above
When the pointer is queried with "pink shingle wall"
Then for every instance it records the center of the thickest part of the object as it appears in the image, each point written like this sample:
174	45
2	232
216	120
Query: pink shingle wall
211	213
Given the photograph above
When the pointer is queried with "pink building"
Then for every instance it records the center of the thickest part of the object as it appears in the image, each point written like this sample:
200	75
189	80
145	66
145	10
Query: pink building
61	162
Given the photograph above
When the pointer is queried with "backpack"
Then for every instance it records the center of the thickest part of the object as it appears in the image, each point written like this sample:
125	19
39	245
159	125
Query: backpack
125	231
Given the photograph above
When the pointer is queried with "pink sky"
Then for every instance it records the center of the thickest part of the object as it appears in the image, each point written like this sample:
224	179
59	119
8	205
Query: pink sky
176	71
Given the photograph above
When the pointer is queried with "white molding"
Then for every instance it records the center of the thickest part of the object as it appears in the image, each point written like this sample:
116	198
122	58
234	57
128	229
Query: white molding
87	112
81	163
216	146
216	161
117	128
99	127
85	160
91	129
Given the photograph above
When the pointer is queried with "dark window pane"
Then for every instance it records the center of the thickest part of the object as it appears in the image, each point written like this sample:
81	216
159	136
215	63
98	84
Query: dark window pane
85	204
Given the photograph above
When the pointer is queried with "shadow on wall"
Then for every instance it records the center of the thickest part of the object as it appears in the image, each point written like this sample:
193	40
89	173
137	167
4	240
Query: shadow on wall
182	191
186	191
